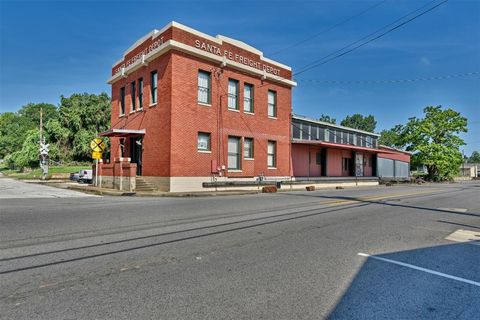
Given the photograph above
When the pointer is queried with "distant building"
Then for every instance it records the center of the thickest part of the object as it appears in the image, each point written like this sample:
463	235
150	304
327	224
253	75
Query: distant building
470	170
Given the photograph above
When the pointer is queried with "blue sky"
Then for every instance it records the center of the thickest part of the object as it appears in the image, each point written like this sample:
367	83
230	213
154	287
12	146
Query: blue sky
49	48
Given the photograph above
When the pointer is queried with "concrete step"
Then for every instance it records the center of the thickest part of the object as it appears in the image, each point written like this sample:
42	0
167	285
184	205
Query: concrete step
144	185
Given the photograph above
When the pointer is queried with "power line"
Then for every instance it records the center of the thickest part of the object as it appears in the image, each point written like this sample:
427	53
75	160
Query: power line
337	54
452	76
328	29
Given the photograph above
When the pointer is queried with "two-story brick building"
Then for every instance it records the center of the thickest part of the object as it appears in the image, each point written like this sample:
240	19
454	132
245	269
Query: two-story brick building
189	109
187	106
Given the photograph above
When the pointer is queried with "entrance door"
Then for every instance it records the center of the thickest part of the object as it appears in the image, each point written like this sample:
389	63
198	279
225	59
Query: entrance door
136	153
359	164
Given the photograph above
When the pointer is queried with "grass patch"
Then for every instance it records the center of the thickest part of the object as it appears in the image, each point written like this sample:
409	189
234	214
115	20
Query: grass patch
36	173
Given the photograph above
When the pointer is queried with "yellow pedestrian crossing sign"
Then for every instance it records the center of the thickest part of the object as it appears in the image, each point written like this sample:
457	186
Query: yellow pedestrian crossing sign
97	145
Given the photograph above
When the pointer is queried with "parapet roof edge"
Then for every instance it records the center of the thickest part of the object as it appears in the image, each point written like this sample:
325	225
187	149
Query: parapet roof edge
218	39
300	117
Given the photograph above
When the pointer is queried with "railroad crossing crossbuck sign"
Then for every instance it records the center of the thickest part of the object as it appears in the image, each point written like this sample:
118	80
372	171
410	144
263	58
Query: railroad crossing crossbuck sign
97	145
44	149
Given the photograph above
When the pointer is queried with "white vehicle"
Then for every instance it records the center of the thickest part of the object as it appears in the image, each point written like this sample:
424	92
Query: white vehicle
85	176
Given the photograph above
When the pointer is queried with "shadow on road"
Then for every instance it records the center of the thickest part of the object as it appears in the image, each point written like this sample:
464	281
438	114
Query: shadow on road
385	290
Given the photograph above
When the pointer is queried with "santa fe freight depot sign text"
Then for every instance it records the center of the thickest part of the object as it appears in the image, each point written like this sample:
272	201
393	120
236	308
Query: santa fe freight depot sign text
236	57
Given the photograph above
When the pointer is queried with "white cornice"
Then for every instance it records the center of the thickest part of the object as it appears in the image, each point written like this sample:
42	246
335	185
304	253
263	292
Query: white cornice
240	44
172	44
218	40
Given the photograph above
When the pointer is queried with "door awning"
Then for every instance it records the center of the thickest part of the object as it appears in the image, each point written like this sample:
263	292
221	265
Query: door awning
122	133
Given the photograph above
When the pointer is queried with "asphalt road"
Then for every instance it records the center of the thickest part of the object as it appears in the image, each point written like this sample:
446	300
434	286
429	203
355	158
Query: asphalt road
376	252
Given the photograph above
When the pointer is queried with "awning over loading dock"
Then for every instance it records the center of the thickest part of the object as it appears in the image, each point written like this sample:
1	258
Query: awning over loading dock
122	133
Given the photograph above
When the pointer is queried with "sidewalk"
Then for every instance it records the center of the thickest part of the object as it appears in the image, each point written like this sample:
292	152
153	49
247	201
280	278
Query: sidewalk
111	192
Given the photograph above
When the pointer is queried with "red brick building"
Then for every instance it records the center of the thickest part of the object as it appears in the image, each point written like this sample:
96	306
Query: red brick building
187	107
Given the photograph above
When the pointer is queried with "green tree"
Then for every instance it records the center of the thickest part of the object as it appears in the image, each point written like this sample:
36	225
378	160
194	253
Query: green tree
81	117
435	140
28	155
475	157
31	113
327	118
15	126
392	137
358	121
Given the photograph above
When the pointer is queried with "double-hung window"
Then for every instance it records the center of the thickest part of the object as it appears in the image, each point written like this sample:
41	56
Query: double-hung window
140	93
133	95
272	103
153	87
248	148
234	153
272	154
232	94
122	100
203	141
248	98
204	85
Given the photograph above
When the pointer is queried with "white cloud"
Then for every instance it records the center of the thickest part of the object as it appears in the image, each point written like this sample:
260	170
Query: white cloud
425	61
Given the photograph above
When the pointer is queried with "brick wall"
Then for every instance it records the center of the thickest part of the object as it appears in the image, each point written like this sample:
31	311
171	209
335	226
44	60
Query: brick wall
189	117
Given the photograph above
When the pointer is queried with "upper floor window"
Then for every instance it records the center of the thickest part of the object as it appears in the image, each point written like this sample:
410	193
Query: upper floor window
204	87
272	103
122	100
232	94
140	93
248	98
333	136
153	87
133	96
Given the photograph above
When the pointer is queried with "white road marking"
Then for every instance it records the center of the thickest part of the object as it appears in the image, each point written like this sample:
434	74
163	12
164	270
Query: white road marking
468	236
411	266
453	209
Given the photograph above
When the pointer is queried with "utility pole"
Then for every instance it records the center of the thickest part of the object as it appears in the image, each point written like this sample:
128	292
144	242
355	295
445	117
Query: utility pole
41	131
43	149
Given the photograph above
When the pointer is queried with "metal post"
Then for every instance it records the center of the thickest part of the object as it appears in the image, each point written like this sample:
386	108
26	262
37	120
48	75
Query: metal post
40	142
96	173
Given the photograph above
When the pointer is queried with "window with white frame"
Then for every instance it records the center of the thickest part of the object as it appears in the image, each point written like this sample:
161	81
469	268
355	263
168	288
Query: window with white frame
248	148
233	94
248	98
133	92
369	141
140	93
204	87
153	87
203	141
272	154
122	100
272	103
234	153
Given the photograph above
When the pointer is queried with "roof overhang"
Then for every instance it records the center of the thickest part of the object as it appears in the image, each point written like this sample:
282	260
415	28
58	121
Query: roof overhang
339	146
122	133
